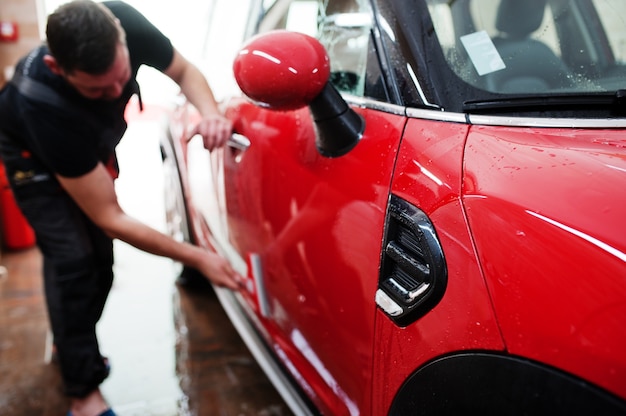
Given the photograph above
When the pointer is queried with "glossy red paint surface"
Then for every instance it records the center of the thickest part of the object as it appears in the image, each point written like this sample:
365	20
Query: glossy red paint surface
429	175
282	70
564	309
555	259
317	225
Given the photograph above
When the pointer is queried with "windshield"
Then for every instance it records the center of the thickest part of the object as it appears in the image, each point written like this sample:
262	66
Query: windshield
534	46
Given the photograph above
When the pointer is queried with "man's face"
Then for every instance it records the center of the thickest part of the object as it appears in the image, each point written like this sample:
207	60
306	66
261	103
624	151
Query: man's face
107	86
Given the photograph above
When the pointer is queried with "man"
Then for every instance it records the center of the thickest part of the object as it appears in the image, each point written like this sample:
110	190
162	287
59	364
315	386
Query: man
61	118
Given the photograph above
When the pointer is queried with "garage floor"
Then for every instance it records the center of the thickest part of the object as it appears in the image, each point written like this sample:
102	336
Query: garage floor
172	351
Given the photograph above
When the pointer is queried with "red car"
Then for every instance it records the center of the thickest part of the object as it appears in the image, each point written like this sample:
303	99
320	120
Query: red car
428	199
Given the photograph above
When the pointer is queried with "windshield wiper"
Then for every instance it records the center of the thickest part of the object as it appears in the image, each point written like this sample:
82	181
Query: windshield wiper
611	101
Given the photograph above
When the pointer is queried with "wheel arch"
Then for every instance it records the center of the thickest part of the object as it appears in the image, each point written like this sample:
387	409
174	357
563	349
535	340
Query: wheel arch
492	383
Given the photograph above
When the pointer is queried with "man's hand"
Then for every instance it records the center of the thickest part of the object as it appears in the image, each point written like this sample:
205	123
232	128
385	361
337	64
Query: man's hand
215	131
214	128
219	271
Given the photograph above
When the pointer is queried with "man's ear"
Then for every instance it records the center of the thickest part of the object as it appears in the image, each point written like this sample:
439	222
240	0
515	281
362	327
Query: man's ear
52	64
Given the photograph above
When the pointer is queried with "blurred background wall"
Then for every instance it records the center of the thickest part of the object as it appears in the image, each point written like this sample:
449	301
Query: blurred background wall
20	31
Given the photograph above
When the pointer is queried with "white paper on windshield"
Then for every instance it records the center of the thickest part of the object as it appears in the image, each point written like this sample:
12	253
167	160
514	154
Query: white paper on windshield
482	52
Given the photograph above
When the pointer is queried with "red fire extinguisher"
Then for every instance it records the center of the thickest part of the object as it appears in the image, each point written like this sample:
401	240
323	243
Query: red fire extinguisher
17	234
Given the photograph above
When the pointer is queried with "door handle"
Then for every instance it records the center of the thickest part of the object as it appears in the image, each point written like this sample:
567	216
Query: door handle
239	142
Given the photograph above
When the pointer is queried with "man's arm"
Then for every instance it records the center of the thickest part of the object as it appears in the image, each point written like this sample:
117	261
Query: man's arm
94	192
214	128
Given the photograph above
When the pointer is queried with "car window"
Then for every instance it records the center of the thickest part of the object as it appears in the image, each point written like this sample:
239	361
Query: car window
611	13
342	26
484	14
345	32
536	46
295	15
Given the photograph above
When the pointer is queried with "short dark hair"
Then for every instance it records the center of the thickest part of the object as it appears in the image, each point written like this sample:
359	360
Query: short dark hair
83	35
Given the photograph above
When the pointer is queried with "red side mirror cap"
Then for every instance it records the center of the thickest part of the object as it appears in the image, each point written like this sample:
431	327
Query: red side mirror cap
282	70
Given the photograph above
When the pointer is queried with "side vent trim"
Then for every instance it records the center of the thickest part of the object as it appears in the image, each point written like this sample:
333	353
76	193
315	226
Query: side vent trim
413	275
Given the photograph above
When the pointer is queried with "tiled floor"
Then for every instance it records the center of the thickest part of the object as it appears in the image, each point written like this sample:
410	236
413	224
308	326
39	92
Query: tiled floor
185	360
172	351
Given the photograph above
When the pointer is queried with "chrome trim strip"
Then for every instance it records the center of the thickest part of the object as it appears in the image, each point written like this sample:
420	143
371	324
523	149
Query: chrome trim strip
374	105
419	87
436	115
256	267
387	304
482	120
260	352
547	122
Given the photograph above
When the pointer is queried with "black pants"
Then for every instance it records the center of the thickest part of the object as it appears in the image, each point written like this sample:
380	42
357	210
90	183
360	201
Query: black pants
78	274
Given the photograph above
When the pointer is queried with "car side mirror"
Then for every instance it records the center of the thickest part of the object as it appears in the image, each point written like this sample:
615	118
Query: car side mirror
283	71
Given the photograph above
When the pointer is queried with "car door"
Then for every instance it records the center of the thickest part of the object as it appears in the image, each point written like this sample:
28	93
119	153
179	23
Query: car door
311	227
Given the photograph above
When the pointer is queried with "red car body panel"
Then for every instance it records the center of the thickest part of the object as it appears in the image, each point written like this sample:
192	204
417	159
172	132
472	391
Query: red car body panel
449	170
577	276
429	174
309	219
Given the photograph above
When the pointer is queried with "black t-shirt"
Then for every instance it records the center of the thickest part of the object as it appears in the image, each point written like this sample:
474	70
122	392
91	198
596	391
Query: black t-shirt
66	142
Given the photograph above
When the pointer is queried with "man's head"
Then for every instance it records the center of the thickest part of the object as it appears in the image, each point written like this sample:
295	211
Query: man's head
88	48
